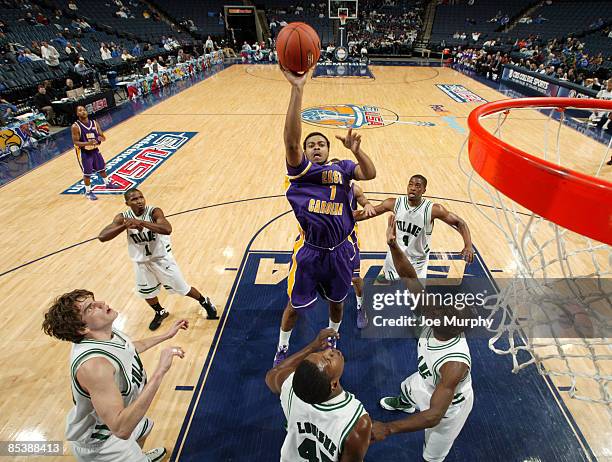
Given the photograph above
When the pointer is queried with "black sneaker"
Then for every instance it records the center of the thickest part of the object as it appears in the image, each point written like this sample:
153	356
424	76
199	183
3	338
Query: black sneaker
157	320
211	311
609	162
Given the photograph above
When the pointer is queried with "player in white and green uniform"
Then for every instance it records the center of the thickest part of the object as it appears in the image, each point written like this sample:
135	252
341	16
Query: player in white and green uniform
324	421
110	388
414	226
148	237
84	428
441	388
414	219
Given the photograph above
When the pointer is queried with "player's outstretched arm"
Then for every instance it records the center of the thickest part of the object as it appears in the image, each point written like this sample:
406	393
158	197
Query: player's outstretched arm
368	209
97	376
455	221
365	169
293	121
400	260
357	442
452	373
114	229
385	206
146	343
277	375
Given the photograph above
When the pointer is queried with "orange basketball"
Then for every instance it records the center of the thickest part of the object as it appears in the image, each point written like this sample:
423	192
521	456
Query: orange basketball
298	47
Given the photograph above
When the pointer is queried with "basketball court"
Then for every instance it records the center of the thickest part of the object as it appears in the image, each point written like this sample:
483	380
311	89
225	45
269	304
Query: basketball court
220	183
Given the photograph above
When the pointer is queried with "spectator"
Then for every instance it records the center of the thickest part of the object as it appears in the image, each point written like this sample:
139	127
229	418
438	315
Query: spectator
136	51
105	53
147	66
209	45
50	90
125	56
61	41
49	54
539	19
605	93
40	19
30	56
43	102
69	86
81	68
7	111
155	67
72	5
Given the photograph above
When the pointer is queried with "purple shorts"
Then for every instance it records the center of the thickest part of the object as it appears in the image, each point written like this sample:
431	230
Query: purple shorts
314	270
92	161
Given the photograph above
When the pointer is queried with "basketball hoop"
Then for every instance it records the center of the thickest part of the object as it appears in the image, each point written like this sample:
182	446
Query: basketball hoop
551	217
342	17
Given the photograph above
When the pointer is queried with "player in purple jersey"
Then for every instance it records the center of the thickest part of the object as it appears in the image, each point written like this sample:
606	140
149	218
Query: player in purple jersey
87	136
319	193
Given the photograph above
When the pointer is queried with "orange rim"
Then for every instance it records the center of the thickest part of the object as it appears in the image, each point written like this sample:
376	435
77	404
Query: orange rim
573	200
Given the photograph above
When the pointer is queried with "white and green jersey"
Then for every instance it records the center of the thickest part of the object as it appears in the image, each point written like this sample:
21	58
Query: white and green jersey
146	245
83	425
433	353
317	431
414	227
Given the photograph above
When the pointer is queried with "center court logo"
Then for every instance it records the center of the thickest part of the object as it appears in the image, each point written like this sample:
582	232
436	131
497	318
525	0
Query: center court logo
345	116
131	167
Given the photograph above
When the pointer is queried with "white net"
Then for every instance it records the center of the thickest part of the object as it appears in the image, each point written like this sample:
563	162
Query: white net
555	309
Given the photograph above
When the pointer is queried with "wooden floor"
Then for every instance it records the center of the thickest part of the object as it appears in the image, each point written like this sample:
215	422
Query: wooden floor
233	169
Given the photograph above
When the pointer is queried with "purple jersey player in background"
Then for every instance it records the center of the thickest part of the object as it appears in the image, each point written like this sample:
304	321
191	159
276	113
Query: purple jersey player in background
87	136
319	193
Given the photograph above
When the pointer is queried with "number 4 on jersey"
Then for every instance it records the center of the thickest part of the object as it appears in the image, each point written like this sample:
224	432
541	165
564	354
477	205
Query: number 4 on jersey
308	451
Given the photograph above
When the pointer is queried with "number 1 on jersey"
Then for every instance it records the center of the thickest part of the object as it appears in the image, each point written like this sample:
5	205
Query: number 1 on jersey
147	251
332	194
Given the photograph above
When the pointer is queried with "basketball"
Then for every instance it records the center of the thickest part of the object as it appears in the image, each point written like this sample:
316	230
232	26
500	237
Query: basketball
298	47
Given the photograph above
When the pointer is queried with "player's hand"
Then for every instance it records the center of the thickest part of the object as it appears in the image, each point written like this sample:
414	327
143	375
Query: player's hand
369	211
167	355
320	343
391	230
380	431
297	80
178	325
133	223
351	141
468	254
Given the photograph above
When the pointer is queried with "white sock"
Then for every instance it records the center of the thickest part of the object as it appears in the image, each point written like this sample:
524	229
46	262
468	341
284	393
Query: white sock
283	338
87	188
334	325
359	301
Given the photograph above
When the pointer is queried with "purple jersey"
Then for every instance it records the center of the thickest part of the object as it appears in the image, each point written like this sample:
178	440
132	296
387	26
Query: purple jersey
88	133
320	198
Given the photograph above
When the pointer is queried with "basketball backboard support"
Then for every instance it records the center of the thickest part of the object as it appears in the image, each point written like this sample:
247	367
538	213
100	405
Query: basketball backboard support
336	7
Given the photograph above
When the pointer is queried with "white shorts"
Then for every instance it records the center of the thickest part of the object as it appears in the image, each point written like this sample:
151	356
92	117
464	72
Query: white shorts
439	439
420	267
153	274
115	449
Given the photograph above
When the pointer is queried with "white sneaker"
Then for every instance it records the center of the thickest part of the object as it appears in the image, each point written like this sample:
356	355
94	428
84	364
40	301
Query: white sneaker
155	455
